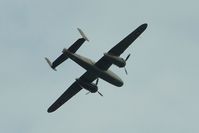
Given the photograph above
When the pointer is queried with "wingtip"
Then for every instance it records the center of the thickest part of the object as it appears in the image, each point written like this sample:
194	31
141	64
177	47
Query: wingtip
50	110
142	27
145	25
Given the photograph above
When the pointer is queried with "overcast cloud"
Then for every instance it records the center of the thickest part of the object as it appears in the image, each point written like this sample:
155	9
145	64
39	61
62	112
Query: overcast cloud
160	94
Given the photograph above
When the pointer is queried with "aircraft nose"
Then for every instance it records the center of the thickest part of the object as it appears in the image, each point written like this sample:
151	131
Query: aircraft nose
121	84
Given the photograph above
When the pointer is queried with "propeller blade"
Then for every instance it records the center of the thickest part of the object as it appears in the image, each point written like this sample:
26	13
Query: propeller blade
97	81
100	94
87	93
127	57
125	71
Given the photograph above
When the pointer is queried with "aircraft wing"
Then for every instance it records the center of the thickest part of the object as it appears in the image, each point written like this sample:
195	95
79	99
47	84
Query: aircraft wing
118	49
69	93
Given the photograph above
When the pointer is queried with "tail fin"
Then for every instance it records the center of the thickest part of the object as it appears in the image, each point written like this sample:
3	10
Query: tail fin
73	48
82	34
49	63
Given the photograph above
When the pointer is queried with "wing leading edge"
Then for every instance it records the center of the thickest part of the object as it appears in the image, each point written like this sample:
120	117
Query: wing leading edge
69	93
118	49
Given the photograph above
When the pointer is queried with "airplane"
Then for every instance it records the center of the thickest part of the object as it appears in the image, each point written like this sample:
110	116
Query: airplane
95	70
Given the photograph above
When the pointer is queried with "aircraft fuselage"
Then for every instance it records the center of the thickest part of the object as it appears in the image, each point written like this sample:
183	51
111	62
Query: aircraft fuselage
90	66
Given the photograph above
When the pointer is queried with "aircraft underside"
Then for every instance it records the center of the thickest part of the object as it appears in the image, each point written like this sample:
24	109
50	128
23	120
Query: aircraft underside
95	70
90	66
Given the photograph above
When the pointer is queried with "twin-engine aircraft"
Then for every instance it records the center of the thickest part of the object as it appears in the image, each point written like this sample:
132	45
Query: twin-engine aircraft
95	70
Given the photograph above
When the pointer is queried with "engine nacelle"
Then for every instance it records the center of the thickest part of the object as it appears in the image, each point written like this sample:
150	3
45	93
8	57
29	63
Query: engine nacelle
118	61
88	86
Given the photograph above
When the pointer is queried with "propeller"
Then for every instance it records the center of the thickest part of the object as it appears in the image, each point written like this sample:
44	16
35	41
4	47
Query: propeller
96	83
100	93
87	93
125	71
125	61
127	57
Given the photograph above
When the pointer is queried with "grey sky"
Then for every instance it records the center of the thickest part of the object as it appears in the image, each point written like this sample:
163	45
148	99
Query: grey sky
160	94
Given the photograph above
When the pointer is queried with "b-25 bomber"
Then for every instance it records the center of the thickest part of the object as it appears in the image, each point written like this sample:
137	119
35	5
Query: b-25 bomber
95	70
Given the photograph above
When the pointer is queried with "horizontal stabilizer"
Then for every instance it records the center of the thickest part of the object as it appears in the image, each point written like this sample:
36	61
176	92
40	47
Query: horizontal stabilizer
49	63
82	34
